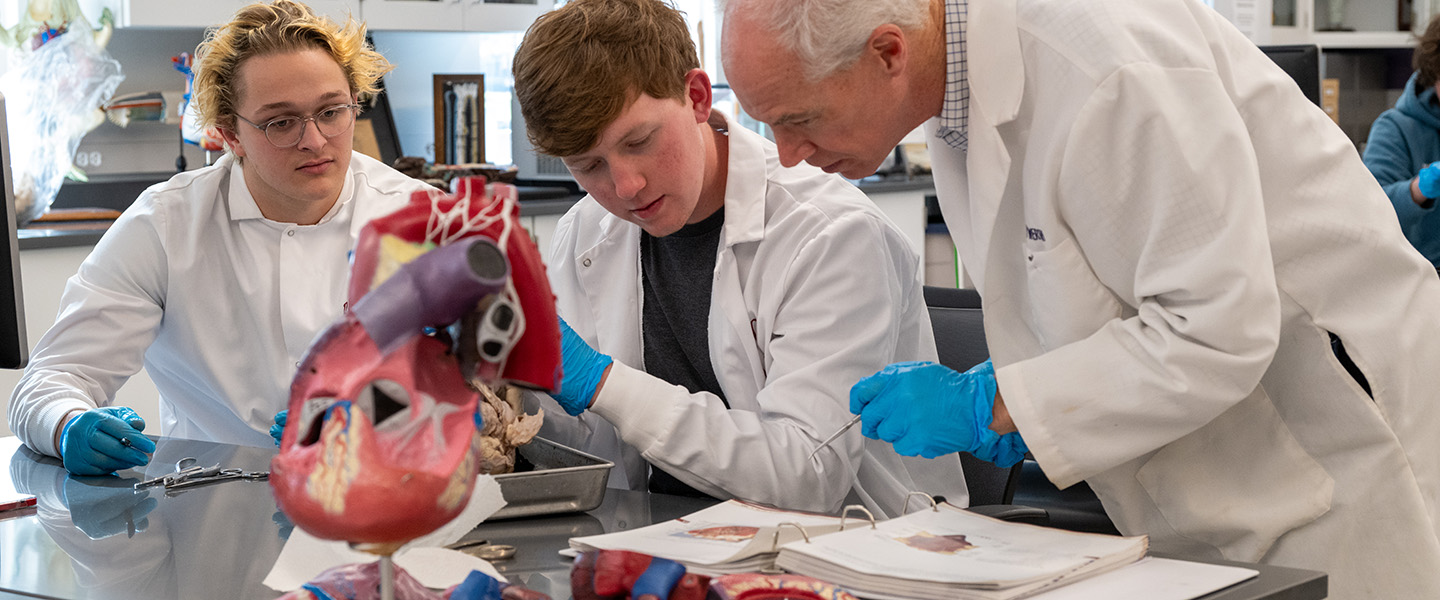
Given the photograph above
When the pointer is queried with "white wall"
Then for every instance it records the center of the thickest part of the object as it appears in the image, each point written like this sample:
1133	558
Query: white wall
43	273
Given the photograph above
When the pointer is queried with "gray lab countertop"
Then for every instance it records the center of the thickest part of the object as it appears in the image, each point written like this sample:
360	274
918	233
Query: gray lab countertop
876	185
93	537
118	193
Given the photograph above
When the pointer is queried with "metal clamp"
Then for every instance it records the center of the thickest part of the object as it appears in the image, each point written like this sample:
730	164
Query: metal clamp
219	476
860	508
933	505
775	541
185	469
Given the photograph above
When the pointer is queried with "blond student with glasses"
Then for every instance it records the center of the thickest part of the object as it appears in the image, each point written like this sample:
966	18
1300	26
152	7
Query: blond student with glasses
216	280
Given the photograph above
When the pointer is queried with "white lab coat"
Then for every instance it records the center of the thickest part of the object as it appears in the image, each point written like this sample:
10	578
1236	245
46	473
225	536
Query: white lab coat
1164	229
218	302
813	289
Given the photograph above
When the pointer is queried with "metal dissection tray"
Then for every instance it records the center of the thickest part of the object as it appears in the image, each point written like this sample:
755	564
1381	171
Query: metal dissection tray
560	480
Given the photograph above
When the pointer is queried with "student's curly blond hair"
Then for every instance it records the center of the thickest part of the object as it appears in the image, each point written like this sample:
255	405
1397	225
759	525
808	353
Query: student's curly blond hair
266	28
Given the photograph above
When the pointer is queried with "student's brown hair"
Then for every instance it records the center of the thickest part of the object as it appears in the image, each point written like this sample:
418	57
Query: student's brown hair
1427	56
580	66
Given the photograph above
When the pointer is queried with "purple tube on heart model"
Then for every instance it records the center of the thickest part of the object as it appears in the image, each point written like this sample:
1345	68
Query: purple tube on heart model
433	290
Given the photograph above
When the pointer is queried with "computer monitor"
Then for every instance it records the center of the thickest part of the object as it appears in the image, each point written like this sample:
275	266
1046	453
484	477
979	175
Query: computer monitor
14	348
532	166
1302	63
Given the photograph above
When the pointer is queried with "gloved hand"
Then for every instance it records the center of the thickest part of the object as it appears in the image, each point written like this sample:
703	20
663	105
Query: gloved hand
283	526
278	429
106	506
620	575
582	367
479	586
926	409
1429	181
91	442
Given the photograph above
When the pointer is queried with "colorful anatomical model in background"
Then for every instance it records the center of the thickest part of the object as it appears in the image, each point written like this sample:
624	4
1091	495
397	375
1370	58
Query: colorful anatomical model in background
383	442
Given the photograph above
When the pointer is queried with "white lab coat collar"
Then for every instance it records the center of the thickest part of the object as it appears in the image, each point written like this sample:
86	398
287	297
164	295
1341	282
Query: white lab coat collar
746	182
997	86
242	204
996	67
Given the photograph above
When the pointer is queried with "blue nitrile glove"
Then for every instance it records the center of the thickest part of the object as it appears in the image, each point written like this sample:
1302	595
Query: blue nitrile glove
657	580
1429	181
477	586
283	526
278	429
90	443
929	410
582	366
106	506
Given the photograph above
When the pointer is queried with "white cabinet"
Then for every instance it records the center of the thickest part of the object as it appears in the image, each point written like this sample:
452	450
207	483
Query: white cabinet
451	15
1330	23
43	273
175	13
542	230
1290	22
907	210
416	15
205	13
379	15
1368	23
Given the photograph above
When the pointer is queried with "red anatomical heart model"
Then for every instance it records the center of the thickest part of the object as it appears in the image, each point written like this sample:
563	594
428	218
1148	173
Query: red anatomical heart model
381	444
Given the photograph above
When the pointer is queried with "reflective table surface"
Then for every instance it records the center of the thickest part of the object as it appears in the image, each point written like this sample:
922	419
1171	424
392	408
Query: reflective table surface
95	537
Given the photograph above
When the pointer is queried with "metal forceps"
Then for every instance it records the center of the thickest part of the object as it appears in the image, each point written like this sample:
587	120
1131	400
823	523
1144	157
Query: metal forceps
185	469
835	436
219	476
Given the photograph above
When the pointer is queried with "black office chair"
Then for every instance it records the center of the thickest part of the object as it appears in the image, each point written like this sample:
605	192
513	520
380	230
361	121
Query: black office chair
1022	492
1075	508
959	326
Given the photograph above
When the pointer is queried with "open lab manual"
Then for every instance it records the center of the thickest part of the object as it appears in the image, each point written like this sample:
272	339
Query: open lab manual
730	537
939	552
949	552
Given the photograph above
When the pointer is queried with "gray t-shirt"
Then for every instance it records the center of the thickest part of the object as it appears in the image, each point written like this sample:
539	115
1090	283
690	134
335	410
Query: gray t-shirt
677	272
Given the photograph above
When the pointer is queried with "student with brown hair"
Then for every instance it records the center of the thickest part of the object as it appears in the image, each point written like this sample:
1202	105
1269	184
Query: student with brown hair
719	316
217	279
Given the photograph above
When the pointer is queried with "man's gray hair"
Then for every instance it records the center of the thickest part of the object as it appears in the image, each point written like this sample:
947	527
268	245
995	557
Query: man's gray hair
828	35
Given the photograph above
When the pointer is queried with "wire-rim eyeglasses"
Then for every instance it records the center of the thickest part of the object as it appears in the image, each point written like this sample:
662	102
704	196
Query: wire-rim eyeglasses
287	131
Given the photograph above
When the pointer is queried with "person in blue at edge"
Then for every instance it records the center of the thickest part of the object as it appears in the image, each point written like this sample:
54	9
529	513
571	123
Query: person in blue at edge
219	278
1404	148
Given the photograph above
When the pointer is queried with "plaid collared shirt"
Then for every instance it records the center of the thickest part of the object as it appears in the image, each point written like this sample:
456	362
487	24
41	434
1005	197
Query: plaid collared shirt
954	112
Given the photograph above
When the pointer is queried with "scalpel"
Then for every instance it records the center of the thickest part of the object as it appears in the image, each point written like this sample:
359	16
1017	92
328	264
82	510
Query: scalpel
835	436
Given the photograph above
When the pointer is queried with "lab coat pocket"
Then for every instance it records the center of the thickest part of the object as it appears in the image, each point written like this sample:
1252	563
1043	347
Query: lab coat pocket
1238	483
1067	300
